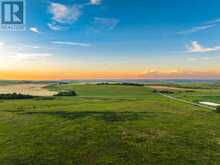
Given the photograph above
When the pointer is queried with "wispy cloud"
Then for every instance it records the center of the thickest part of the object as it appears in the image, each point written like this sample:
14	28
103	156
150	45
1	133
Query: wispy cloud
202	27
29	46
34	29
195	47
179	73
2	44
106	23
72	43
63	13
28	56
22	51
95	2
197	29
150	71
199	59
215	21
55	27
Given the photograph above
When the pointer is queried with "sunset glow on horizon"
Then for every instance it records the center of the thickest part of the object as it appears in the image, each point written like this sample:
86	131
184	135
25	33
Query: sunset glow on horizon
74	75
86	39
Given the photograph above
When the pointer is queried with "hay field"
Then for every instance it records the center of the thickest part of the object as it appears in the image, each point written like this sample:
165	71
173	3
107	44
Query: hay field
27	89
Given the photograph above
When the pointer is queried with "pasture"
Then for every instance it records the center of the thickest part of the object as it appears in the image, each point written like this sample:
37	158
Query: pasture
194	92
108	124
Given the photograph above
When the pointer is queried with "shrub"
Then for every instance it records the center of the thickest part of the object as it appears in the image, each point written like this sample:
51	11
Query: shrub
104	83
218	109
66	93
154	91
132	84
15	96
166	91
123	83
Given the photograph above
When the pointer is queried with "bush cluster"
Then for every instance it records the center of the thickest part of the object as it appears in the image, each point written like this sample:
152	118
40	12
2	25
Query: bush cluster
15	96
163	91
66	93
126	84
218	109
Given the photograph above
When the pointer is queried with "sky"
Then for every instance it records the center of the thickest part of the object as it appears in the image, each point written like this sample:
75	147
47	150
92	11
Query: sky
114	39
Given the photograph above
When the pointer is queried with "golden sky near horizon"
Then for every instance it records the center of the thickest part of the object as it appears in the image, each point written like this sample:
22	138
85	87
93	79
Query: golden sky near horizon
70	74
47	67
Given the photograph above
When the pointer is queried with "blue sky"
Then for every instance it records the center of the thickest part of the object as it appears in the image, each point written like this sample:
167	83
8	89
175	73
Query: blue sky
147	37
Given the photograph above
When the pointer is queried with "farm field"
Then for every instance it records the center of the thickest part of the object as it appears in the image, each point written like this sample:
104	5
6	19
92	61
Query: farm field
194	92
109	124
26	89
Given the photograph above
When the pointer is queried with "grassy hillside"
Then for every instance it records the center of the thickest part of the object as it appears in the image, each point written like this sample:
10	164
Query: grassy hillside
121	125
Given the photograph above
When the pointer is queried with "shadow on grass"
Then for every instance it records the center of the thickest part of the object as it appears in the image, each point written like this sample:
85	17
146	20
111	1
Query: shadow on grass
106	116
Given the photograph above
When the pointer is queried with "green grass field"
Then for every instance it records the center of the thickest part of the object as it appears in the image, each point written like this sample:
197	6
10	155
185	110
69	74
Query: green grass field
202	92
108	124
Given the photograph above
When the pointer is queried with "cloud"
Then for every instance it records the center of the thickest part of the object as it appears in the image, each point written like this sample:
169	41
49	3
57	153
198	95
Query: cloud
55	27
95	2
195	47
215	21
28	56
106	23
21	51
160	72
63	13
34	29
204	26
179	73
205	59
29	46
197	29
63	16
2	44
72	43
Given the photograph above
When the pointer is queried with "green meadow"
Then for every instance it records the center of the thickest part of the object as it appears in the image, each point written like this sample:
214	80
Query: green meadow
199	92
109	124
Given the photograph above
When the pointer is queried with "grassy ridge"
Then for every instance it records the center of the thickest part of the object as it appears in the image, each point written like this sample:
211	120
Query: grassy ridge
107	125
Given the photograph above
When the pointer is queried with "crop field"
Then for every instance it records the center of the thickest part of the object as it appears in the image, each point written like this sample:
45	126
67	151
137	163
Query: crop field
26	89
109	124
